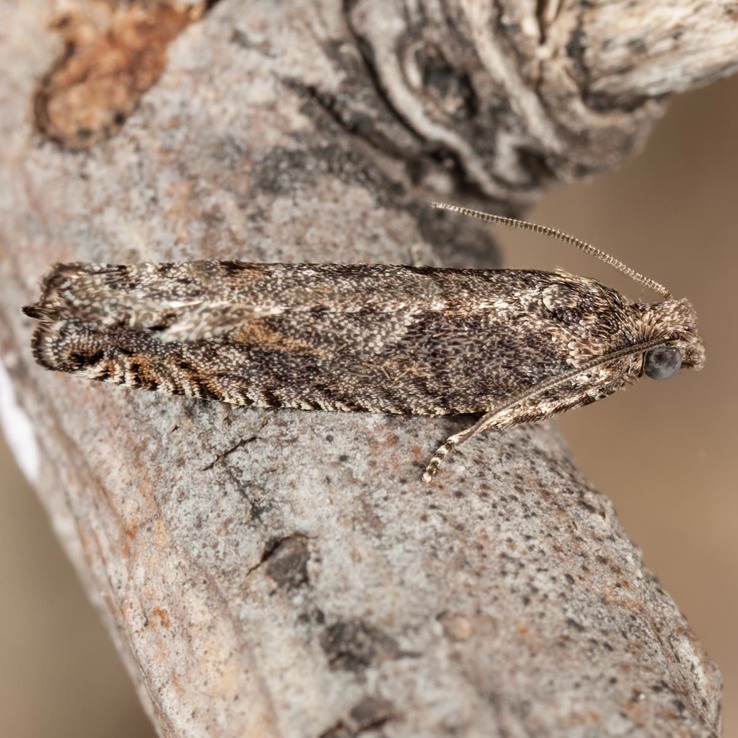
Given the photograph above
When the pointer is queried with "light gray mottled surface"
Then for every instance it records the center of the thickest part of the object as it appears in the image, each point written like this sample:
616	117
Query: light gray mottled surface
285	573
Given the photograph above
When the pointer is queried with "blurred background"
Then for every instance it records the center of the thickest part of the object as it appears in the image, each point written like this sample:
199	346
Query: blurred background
663	451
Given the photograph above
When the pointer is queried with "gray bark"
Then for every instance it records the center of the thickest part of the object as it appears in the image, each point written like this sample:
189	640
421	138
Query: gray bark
286	573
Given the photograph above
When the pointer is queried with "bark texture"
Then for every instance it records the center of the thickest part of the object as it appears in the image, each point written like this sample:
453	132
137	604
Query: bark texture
285	573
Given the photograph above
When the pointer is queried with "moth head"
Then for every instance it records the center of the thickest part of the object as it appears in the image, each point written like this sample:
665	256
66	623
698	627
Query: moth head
673	323
667	328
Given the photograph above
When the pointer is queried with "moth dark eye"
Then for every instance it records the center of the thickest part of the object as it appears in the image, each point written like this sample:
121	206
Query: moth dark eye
662	362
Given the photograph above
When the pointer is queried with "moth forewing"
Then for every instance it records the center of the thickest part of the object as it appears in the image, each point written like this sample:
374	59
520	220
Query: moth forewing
662	339
514	345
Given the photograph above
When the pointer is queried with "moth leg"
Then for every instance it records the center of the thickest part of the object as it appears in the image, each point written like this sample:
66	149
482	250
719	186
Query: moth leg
527	407
455	440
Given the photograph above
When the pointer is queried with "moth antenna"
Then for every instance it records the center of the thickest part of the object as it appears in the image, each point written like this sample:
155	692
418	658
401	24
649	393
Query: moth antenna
565	237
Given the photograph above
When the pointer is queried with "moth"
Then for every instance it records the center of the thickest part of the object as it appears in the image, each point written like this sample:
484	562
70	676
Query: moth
513	345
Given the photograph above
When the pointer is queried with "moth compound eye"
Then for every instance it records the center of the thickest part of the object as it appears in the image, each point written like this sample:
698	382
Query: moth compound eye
662	362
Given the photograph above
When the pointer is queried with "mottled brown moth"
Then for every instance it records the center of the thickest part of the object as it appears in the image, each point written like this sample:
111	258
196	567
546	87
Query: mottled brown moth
515	345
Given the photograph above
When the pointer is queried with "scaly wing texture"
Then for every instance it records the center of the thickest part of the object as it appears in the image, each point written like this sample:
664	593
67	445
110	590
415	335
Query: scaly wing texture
391	339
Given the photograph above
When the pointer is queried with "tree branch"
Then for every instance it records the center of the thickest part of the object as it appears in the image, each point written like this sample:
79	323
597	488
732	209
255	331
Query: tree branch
286	573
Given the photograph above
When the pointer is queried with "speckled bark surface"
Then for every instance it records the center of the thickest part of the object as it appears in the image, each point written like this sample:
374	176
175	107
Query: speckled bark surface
286	573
